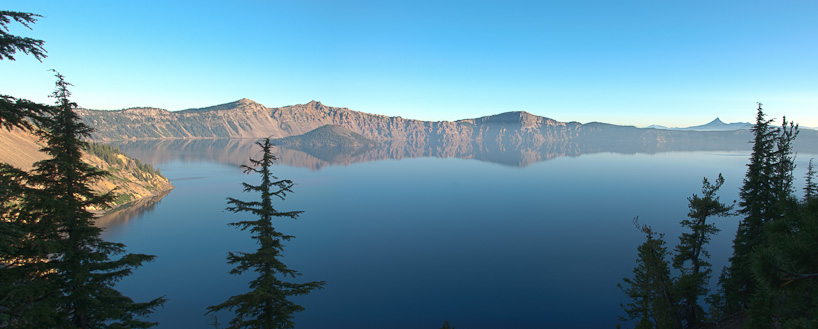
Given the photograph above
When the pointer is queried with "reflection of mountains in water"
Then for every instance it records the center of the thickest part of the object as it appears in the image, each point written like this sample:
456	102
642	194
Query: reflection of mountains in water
512	152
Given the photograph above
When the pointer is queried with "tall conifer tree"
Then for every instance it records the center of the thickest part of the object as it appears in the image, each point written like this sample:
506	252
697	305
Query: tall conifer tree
784	164
25	290
766	198
810	188
80	267
266	305
758	199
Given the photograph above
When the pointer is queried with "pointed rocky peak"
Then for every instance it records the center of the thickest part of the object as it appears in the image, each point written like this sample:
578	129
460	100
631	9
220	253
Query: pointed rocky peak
716	122
314	105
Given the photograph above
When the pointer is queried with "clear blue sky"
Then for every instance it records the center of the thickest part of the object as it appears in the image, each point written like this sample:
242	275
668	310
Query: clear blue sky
675	63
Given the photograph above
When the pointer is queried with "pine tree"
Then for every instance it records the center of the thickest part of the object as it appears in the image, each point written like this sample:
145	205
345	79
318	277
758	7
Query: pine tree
758	200
267	304
691	257
810	188
766	201
784	164
79	265
651	290
24	291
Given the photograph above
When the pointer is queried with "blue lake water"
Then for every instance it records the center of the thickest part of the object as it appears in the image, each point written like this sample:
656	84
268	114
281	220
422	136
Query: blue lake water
412	242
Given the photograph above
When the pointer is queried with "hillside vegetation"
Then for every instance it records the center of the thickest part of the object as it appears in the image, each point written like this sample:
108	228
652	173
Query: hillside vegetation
130	178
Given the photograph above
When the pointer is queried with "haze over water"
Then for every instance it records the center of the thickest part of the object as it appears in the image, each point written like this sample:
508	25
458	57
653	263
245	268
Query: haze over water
411	242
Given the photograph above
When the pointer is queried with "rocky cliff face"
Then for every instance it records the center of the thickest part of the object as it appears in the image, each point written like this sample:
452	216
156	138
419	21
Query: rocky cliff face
247	119
250	120
128	179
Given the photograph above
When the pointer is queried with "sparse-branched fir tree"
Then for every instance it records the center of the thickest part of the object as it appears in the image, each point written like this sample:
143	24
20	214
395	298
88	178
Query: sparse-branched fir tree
15	112
691	258
446	325
79	267
267	305
651	290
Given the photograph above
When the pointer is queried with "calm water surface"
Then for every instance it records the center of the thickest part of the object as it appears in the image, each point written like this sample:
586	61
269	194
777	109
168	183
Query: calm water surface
410	243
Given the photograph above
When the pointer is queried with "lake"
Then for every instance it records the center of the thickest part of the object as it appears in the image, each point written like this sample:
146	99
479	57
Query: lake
410	239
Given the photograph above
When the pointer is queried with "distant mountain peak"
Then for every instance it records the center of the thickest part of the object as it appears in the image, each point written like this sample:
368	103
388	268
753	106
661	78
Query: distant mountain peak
717	121
717	124
245	101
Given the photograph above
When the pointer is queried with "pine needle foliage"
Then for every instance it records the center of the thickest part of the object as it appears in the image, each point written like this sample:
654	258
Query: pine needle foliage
651	290
14	112
758	201
691	258
70	257
266	305
10	44
24	290
810	188
25	300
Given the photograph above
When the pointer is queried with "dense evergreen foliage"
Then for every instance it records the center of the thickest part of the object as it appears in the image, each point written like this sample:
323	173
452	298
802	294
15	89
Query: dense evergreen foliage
651	290
267	304
766	196
56	271
771	279
810	188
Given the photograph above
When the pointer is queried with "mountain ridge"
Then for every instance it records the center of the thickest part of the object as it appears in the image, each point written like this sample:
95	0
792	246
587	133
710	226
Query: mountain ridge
246	118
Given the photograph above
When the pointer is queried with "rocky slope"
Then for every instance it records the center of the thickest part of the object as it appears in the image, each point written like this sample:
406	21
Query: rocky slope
129	178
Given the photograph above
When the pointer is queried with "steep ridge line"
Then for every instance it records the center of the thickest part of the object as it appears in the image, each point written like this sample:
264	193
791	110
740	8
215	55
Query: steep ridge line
247	119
